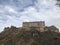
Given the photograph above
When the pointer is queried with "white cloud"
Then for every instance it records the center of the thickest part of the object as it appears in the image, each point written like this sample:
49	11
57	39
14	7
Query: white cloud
45	10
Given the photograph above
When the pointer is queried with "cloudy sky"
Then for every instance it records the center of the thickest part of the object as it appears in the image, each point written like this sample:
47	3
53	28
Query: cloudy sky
14	12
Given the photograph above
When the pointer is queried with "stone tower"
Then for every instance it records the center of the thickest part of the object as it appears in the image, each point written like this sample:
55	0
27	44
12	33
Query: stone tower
37	25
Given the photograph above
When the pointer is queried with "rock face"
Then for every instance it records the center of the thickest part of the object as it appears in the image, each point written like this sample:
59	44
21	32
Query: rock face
31	33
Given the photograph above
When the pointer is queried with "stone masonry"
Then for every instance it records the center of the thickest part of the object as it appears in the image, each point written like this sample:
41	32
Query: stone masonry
40	26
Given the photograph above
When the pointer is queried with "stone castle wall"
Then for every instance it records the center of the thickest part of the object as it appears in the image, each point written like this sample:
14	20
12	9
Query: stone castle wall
38	25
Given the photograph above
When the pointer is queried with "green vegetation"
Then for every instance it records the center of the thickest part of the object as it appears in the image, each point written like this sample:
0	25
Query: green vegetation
16	36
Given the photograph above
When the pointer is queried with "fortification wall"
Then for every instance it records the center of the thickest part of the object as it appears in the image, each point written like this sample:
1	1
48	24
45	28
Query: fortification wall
34	24
39	25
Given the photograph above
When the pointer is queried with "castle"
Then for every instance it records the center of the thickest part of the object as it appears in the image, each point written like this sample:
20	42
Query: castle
40	26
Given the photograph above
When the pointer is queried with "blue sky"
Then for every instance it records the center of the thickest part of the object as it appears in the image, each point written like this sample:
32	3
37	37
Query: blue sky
14	12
